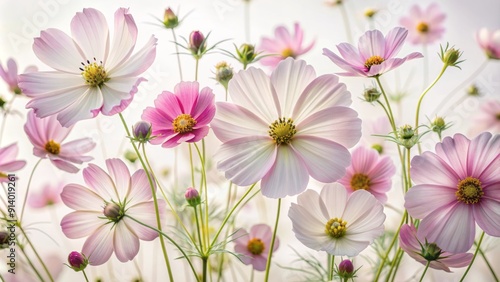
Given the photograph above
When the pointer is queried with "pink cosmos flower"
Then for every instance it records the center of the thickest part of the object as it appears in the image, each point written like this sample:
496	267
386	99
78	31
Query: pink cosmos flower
284	45
375	54
284	128
49	195
254	246
47	136
457	187
423	251
9	75
371	129
103	212
489	41
488	117
182	116
8	162
424	26
335	222
369	171
90	76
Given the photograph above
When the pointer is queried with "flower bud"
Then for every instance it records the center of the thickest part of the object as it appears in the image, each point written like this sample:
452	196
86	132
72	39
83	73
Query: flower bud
77	261
142	131
369	13
431	251
192	197
113	212
407	137
438	124
473	90
247	52
196	42
406	132
450	56
2	102
131	156
371	94
378	148
346	269
4	240
170	19
223	73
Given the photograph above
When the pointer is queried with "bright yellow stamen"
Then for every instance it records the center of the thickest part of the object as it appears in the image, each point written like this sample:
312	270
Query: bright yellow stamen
373	60
183	123
256	246
423	27
336	227
94	74
360	181
282	130
469	190
3	175
287	52
498	116
53	147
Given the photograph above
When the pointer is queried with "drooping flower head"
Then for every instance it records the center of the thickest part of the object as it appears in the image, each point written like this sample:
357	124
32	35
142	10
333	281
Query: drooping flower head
92	75
424	26
103	211
369	171
284	128
283	45
489	41
457	187
254	246
335	222
182	116
375	53
8	162
49	195
488	117
47	136
418	247
9	75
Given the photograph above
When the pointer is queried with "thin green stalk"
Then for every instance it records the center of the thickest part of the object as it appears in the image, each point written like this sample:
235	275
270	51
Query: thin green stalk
204	186
389	110
426	65
395	265
85	275
155	200
205	267
35	252
270	254
425	271
171	241
177	53
31	264
408	175
28	189
196	70
198	227
331	266
473	257
192	164
226	93
483	255
347	26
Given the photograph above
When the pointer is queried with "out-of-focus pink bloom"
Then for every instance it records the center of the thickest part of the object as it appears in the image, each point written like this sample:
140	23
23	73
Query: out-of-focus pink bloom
489	40
417	247
47	136
488	117
335	222
283	45
182	116
49	195
457	187
375	54
8	162
25	273
102	210
9	75
254	246
90	77
373	130
369	171
284	128
424	26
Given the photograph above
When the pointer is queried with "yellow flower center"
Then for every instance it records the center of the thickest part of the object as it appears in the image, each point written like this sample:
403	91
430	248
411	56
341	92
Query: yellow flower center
53	147
373	60
336	227
469	190
183	123
498	116
360	181
287	52
369	13
3	175
94	74
255	246
423	27
282	130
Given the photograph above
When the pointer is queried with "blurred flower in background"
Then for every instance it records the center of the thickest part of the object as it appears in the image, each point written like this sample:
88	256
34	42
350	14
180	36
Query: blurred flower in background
424	26
9	75
253	246
8	162
489	40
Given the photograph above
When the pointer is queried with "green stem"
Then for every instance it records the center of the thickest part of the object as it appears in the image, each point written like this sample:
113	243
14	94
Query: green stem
389	110
204	191
473	257
347	26
198	229
331	266
31	264
171	241
196	70
483	255
192	164
28	189
395	265
177	53
205	267
35	252
85	275
426	65
408	175
270	254
425	271
155	200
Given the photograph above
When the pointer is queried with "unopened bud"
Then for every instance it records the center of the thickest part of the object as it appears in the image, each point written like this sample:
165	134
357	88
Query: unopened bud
142	131
113	212
170	19
77	261
131	156
246	53
371	94
192	197
346	269
196	42
223	73
450	56
4	240
473	90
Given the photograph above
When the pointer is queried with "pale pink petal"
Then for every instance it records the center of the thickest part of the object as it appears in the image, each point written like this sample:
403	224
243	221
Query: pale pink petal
57	101
454	152
98	247
352	70
120	176
137	63
263	232
287	177
394	40
85	107
253	89
140	189
57	50
348	51
308	229
325	160
243	254
64	165
483	158
145	213
100	181
37	83
246	160
457	260
12	166
90	31
442	173
335	197
372	43
363	214
187	94
334	123
241	237
345	247
125	242
234	121
259	263
79	224
117	94
289	79
315	204
422	200
487	214
124	38
73	151
79	197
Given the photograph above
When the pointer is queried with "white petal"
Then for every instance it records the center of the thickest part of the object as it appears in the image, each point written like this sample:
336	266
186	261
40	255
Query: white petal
140	190
90	31
124	38
87	106
37	83
120	175
363	212
79	224
335	197
57	50
117	93
98	247
100	181
137	63
309	230
315	204
125	242
79	197
57	101
145	213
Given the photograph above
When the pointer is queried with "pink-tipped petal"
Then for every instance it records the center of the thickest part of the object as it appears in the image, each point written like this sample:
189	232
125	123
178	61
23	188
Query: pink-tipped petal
124	38
78	197
90	32
79	224
98	247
